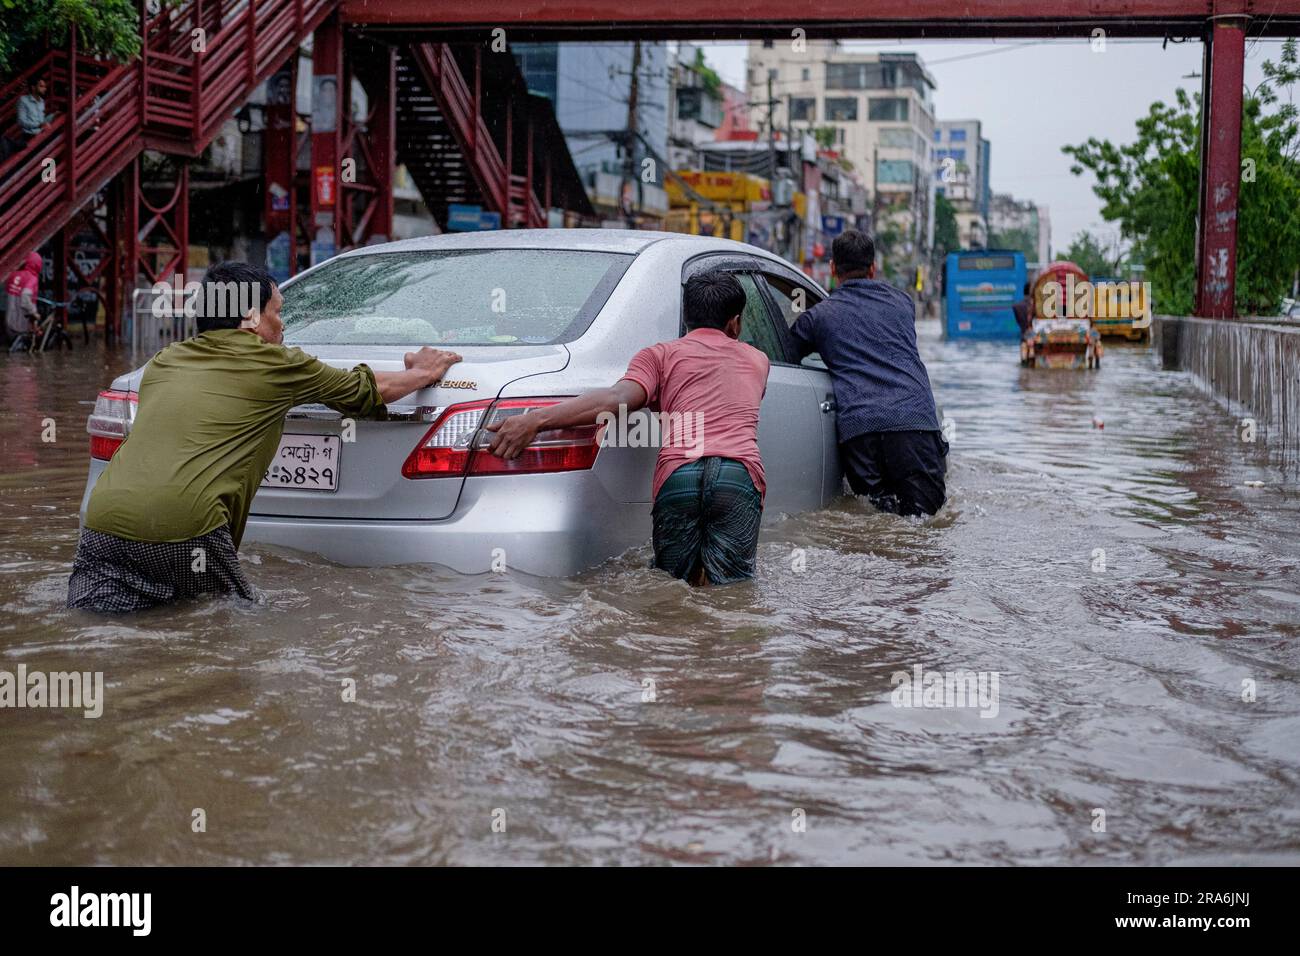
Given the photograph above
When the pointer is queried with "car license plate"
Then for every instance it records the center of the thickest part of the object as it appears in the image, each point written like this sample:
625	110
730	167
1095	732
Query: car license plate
305	463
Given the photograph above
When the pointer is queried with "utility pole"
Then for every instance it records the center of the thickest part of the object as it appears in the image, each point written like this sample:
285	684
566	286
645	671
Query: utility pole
771	132
796	168
875	191
633	127
795	163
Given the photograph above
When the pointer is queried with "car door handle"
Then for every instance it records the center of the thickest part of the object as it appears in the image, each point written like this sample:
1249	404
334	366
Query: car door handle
828	406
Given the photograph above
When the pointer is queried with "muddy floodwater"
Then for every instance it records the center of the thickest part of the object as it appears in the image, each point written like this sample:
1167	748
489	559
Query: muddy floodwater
1128	592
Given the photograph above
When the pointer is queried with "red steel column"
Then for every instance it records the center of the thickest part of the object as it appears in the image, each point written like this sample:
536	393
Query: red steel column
478	99
130	239
1216	240
70	166
326	127
113	294
59	244
528	170
508	156
280	149
383	144
182	219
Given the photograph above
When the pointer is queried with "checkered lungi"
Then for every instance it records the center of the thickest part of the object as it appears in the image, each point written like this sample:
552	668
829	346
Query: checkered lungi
707	514
113	574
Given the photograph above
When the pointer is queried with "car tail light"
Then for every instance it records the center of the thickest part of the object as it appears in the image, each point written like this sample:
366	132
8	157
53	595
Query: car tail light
446	448
561	449
110	422
457	444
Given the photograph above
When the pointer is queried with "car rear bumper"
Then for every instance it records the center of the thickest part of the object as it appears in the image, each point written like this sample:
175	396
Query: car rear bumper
546	525
551	525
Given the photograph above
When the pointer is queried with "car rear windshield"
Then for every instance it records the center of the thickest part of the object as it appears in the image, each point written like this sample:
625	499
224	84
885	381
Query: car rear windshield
452	296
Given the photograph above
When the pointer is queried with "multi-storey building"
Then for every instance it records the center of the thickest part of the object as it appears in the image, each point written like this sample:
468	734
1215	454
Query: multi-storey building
961	174
590	86
702	109
874	109
1021	224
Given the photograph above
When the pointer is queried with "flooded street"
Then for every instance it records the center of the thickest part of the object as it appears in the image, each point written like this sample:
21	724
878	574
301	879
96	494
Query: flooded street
501	697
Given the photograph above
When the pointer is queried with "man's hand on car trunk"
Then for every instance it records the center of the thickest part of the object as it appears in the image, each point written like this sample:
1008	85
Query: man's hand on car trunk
423	368
435	361
514	434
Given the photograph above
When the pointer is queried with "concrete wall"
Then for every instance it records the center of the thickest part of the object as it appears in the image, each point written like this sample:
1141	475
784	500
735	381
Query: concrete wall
1252	365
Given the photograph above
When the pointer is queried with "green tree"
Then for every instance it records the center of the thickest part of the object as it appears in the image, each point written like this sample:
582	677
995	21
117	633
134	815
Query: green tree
109	28
1024	239
1094	256
825	136
1149	186
708	75
891	244
946	236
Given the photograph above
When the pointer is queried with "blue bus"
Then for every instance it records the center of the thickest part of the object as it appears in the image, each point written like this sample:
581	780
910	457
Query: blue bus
979	289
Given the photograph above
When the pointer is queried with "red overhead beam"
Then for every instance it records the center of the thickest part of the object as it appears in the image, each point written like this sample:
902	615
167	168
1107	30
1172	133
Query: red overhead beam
845	18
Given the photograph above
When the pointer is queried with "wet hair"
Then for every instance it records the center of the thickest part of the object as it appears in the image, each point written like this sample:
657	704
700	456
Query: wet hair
853	251
230	289
712	299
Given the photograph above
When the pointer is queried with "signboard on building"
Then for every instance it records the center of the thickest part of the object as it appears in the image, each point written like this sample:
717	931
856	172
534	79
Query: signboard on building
833	225
324	180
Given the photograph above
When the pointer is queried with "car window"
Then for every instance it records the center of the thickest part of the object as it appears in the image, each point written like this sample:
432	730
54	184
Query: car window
793	300
451	296
756	327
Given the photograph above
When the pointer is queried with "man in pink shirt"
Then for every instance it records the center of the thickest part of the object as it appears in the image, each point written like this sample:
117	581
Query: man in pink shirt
708	482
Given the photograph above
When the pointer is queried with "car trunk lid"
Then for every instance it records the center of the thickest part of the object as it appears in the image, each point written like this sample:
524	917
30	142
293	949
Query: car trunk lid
368	470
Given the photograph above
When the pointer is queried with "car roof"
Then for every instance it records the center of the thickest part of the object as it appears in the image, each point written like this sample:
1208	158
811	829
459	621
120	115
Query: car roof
631	241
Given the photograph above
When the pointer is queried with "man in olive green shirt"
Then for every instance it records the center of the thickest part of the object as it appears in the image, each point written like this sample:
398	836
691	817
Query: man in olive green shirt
166	517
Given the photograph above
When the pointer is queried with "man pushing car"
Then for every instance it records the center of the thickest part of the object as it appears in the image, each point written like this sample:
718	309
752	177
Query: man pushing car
210	415
708	484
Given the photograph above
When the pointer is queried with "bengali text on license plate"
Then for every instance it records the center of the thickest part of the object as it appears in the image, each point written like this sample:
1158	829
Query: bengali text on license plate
305	462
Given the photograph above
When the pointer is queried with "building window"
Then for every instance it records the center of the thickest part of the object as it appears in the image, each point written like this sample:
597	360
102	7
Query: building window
892	110
695	103
842	76
895	137
958	154
957	136
803	108
842	109
894	171
938	136
805	74
767	44
773	73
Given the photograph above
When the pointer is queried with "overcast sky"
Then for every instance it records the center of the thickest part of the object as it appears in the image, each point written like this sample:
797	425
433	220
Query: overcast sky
1035	96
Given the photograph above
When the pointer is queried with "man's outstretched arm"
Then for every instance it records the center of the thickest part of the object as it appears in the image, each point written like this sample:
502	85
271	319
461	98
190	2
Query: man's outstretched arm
517	432
804	333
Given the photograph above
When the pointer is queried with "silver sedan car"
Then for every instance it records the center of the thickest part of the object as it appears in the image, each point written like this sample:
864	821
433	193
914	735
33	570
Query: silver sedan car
538	315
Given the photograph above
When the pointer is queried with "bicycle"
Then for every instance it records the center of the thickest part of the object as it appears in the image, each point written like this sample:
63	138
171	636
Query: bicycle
45	329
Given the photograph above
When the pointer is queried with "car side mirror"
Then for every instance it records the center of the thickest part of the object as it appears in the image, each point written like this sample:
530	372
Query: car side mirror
813	360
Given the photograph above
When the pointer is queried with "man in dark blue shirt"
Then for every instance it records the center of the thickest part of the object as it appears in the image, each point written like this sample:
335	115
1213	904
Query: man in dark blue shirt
890	444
